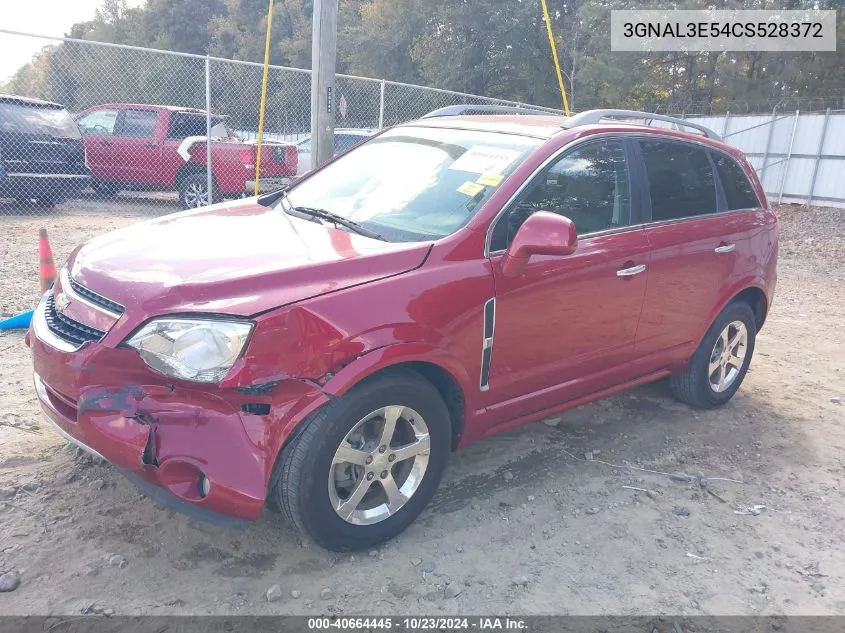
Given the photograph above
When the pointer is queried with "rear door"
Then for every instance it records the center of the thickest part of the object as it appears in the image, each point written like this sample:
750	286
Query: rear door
137	151
567	325
699	240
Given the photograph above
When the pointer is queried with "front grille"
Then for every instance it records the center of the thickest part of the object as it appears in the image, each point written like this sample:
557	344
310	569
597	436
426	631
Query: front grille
96	299
68	329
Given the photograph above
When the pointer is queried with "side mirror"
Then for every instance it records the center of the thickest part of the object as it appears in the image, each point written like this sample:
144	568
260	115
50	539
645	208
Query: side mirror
542	233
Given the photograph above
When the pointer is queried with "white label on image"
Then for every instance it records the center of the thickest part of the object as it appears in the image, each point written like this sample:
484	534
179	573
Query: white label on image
480	159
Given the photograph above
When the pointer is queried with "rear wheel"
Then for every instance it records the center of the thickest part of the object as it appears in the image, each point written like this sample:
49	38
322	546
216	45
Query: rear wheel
363	467
193	191
718	367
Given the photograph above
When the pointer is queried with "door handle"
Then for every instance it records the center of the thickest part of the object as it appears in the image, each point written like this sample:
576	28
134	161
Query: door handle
150	145
630	272
724	248
106	143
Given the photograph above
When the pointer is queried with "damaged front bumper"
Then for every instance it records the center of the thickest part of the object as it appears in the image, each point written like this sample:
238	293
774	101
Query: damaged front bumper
200	449
158	494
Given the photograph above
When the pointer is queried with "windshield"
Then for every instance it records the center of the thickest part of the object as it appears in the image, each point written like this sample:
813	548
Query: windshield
414	183
23	118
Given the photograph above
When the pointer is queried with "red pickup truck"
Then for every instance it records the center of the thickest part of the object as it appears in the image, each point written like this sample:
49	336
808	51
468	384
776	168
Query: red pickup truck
138	146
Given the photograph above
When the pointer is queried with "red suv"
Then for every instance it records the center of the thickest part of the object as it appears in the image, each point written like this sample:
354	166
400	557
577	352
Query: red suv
326	347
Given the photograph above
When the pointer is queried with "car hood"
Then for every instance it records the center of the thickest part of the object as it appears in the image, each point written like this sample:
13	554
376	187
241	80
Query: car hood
236	258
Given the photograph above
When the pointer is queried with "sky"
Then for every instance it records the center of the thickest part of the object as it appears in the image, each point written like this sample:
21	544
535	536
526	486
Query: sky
44	17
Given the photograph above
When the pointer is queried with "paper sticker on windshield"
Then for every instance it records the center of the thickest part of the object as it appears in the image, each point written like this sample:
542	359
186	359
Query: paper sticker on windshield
470	188
490	180
481	159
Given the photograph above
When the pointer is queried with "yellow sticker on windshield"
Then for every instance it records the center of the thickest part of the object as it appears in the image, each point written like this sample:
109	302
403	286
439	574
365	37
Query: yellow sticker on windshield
490	180
470	188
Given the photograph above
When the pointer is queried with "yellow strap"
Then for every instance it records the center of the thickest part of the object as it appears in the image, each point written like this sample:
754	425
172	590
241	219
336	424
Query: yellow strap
263	96
554	56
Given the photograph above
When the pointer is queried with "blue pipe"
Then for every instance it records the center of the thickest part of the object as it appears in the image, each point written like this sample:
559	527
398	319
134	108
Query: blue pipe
17	322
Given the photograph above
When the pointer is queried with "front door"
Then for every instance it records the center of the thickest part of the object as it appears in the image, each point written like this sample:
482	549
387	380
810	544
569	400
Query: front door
567	325
97	128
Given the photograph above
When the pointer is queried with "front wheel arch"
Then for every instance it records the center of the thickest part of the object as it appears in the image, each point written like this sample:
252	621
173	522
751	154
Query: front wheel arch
445	373
295	487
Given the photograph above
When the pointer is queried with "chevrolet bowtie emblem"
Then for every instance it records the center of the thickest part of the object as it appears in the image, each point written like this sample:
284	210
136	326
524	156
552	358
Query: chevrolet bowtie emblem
62	302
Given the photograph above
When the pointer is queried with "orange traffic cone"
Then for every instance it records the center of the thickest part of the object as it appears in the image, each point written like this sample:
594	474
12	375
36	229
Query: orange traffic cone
48	267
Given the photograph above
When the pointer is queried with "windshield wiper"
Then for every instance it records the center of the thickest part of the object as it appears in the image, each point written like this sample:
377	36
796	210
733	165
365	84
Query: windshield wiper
269	199
322	214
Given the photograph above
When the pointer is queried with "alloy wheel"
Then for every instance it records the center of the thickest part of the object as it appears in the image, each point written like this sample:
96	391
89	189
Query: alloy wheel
196	196
727	356
379	465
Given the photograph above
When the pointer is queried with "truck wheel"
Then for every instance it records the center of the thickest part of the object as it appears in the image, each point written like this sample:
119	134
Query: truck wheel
193	192
105	189
363	467
716	370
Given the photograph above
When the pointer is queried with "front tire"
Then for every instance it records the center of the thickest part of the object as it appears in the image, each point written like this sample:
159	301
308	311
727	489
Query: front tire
363	467
718	367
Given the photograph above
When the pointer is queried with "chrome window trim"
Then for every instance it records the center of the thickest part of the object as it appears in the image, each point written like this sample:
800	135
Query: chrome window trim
621	229
697	217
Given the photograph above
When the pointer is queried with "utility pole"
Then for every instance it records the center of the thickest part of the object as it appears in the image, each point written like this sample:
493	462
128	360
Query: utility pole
323	92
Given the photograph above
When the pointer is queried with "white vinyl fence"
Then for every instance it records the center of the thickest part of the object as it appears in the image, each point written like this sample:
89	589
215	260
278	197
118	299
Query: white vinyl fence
800	157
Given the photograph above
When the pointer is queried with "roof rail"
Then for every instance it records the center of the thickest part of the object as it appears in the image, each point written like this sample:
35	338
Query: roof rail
595	116
468	109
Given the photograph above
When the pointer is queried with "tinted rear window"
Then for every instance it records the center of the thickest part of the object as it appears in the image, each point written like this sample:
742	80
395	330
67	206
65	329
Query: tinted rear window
184	125
23	118
680	180
738	191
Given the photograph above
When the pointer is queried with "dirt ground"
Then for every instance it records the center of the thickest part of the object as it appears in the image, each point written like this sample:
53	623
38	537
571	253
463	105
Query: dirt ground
535	521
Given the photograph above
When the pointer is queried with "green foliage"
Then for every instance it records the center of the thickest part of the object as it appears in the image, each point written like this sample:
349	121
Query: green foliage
496	48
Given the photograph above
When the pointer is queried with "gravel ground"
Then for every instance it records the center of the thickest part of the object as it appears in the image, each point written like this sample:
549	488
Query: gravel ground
538	520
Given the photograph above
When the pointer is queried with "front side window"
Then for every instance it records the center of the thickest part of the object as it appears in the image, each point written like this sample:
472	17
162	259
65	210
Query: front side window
589	185
138	123
680	180
415	183
100	123
739	193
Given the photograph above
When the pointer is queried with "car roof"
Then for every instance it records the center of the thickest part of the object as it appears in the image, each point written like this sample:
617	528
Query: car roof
538	126
29	101
545	127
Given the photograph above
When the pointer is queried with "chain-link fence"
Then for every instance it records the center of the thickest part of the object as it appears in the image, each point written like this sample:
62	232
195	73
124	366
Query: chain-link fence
144	116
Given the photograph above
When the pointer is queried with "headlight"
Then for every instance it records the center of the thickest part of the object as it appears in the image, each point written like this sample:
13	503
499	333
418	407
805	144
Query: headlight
203	350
